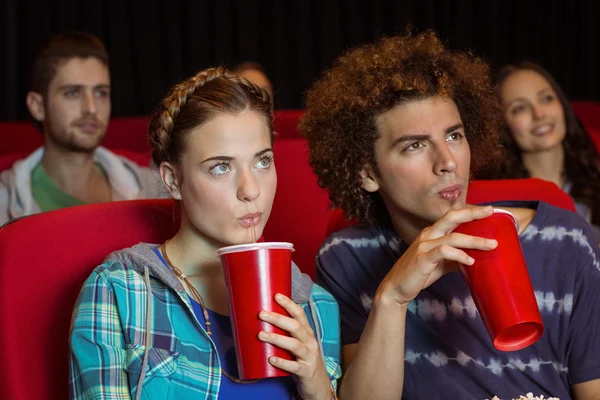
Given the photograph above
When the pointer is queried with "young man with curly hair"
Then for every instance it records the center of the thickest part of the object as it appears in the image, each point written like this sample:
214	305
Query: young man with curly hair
395	130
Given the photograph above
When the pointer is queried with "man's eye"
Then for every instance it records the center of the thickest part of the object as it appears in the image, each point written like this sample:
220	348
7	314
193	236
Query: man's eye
72	93
454	136
102	93
413	146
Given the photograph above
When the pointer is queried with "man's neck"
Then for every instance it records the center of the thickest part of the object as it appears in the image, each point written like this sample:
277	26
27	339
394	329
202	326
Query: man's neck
73	172
408	229
547	165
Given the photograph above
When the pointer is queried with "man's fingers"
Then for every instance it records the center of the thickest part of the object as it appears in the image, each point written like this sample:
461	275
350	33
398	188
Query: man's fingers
459	241
445	252
454	218
462	241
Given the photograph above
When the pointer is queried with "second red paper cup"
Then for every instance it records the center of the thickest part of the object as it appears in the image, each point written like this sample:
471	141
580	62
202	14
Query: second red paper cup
254	274
500	284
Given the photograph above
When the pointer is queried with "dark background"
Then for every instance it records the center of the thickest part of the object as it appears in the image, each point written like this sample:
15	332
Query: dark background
154	43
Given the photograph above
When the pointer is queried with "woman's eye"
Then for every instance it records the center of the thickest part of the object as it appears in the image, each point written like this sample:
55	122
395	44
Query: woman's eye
549	98
517	110
264	163
220	169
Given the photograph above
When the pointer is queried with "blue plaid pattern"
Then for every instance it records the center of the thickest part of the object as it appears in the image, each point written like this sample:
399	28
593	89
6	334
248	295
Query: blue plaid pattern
108	336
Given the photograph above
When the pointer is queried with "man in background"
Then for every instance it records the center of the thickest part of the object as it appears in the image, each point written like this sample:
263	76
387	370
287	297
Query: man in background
69	97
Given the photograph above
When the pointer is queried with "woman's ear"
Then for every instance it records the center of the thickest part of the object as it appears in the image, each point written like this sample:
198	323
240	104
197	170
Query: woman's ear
369	179
170	176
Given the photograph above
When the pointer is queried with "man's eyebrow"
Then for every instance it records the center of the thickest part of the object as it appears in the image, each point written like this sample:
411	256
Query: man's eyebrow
64	87
78	86
410	138
418	138
454	127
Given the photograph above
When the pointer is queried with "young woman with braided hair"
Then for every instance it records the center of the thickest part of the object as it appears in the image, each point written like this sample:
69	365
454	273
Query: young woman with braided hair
152	319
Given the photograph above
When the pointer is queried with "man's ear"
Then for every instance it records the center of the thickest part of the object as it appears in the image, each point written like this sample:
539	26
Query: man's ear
170	176
35	104
369	179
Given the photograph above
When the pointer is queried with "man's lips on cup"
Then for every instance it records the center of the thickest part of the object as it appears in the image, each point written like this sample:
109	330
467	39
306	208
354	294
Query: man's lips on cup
451	192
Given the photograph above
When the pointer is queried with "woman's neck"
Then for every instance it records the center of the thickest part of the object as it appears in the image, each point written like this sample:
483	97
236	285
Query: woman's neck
193	253
547	165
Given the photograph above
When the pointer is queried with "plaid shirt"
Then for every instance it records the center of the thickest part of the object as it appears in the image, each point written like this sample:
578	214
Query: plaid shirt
109	331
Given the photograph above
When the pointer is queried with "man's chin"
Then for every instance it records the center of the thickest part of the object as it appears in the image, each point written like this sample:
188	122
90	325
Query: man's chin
449	206
85	146
82	149
458	204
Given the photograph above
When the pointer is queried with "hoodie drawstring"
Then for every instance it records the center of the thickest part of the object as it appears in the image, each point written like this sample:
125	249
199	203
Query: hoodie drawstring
318	333
138	394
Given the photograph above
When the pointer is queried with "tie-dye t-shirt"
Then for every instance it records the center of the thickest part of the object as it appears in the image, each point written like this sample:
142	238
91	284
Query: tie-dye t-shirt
448	353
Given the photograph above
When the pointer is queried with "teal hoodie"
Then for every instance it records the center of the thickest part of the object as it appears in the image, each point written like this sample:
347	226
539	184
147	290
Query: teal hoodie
134	334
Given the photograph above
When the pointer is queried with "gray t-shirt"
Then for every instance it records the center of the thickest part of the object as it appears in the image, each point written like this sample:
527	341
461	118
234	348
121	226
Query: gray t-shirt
448	353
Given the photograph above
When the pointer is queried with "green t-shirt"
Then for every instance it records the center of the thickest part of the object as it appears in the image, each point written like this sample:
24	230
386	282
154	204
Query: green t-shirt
47	195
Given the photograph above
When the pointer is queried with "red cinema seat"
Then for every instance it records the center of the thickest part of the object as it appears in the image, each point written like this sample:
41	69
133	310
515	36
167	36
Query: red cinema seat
7	160
484	191
301	208
595	135
588	112
19	137
125	133
44	260
285	123
128	133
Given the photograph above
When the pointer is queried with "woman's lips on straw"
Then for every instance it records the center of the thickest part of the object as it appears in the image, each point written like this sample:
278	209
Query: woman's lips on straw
251	219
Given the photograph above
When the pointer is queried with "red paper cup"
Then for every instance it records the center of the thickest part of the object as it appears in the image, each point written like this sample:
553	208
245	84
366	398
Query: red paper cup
500	284
254	274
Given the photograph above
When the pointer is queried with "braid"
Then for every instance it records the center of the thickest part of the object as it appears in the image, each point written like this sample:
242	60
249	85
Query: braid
163	122
255	90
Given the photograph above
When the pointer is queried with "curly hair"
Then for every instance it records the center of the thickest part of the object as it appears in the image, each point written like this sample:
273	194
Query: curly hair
195	101
342	107
581	162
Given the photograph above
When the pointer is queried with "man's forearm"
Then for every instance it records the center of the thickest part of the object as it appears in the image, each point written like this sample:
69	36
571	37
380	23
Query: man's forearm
377	369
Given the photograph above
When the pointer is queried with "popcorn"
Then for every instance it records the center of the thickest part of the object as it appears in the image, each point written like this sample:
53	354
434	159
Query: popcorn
530	396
